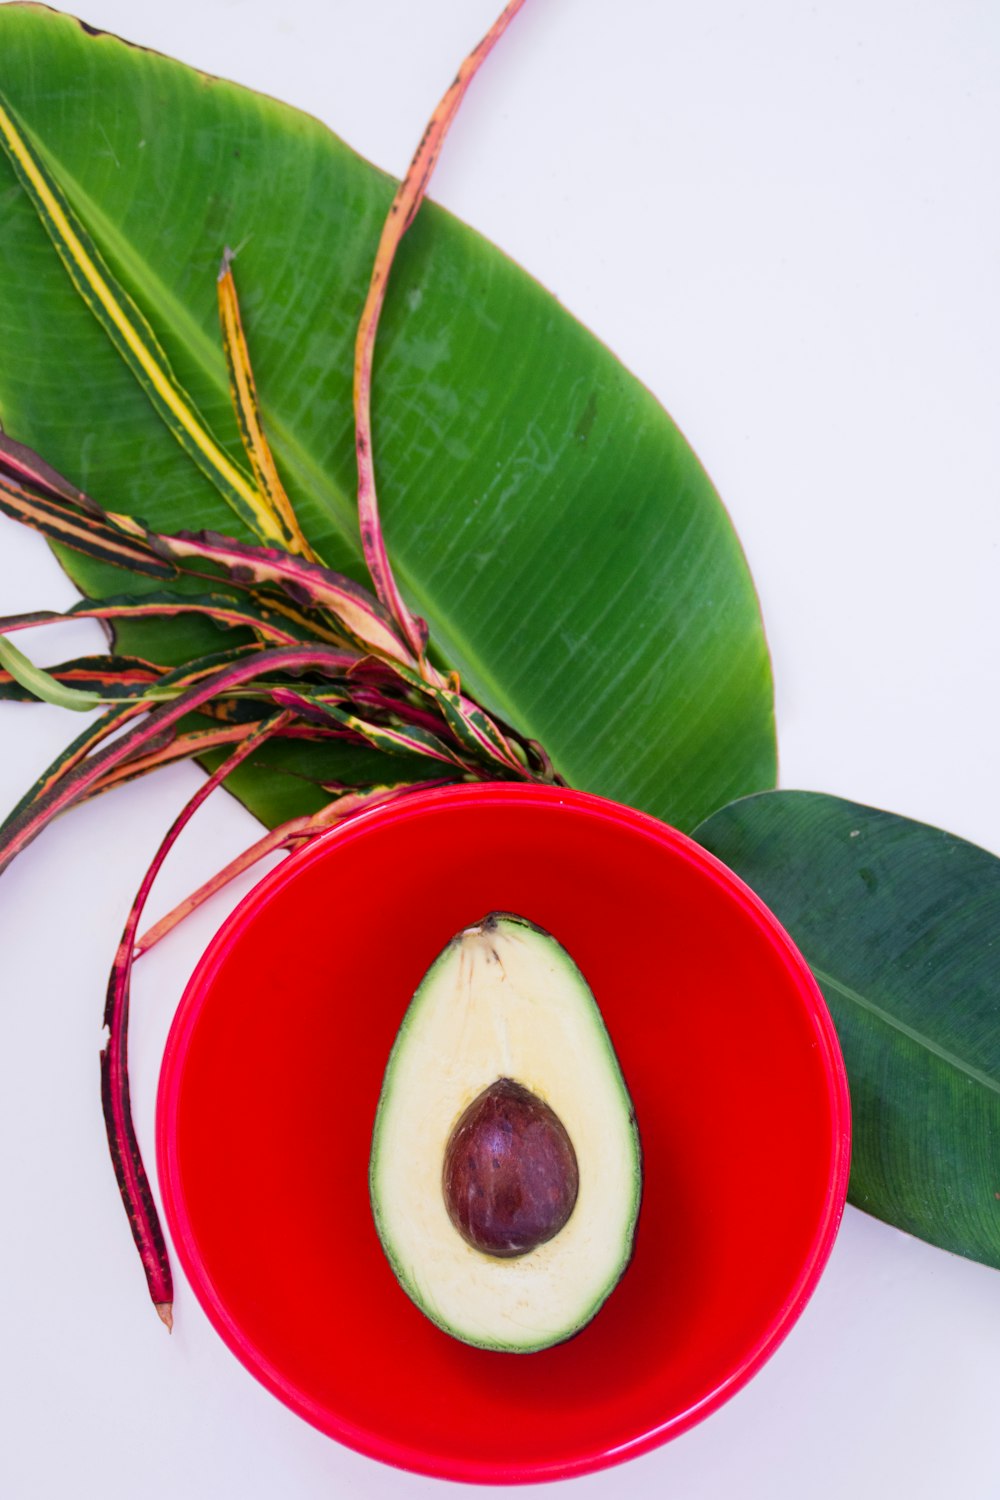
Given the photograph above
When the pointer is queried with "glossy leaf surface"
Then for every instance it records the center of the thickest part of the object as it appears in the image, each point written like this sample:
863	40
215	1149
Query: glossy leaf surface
542	511
901	925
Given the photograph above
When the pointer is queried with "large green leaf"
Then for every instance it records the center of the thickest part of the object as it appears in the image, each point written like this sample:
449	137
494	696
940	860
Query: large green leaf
541	509
901	925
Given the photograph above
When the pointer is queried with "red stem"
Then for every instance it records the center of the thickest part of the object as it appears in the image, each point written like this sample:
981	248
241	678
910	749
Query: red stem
288	835
27	467
229	617
404	206
115	1094
19	830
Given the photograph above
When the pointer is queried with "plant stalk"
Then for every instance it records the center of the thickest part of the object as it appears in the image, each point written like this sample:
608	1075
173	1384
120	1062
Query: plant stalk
133	1182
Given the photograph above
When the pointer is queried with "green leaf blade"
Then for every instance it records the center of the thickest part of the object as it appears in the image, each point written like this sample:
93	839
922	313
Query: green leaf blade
541	510
129	330
900	923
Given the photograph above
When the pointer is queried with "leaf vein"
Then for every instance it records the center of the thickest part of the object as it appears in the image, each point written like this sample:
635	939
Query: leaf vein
909	1031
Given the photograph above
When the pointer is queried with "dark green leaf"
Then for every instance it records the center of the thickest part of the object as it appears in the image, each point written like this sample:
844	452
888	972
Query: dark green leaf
901	925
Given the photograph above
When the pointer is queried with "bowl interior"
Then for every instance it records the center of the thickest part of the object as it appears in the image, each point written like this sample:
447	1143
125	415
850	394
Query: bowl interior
273	1071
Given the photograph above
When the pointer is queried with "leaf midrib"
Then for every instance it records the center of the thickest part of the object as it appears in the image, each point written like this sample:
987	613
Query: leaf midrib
340	507
914	1035
186	331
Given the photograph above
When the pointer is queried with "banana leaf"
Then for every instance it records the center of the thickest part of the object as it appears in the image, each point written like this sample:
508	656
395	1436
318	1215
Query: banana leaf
899	922
543	512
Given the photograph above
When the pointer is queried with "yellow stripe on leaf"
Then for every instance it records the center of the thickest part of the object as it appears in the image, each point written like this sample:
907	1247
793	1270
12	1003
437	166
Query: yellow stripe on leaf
243	391
131	334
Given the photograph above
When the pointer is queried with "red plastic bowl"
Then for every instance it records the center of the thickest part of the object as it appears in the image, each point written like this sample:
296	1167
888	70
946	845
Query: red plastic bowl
272	1073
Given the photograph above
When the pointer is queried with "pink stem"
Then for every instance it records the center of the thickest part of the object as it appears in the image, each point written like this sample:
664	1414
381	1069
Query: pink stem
26	466
401	214
199	742
231	617
275	839
288	835
20	829
115	1094
409	713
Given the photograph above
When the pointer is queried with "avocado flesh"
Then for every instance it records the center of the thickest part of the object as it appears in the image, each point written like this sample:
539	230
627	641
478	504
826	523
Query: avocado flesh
504	1000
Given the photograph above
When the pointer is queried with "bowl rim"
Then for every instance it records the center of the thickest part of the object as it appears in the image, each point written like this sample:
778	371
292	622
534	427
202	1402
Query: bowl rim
411	1457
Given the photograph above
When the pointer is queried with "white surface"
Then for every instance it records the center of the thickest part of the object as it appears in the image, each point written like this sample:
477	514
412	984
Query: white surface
784	218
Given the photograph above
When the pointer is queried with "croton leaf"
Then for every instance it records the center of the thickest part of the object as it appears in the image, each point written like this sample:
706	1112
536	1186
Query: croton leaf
901	925
543	513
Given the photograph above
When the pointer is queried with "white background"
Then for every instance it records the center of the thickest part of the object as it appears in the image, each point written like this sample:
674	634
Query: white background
784	218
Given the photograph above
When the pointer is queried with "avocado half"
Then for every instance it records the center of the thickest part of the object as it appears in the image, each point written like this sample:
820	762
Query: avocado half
504	1003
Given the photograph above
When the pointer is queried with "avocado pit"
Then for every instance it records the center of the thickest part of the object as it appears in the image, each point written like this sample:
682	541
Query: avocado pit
510	1177
507	1215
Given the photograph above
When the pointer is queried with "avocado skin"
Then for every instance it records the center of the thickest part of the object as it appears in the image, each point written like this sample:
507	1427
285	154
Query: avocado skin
504	991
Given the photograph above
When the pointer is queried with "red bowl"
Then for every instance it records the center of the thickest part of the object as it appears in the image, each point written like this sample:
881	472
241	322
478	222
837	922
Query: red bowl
268	1092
